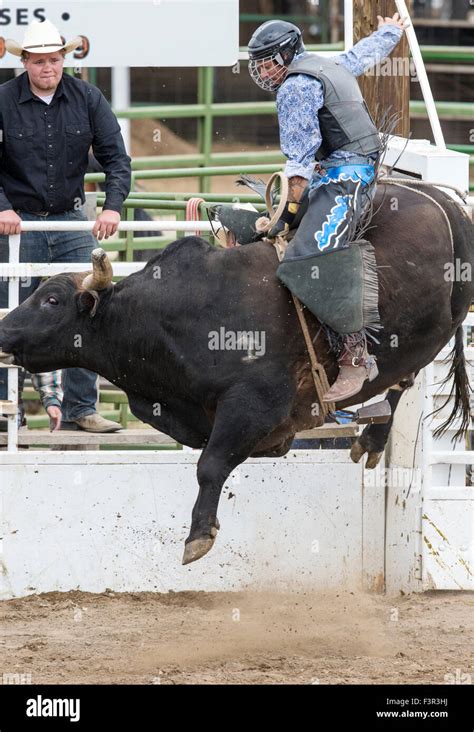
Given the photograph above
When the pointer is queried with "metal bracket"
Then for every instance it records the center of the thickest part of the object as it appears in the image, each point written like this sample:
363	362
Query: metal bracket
378	413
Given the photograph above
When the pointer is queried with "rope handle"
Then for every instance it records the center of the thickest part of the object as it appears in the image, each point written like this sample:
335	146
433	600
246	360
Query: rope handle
284	189
264	224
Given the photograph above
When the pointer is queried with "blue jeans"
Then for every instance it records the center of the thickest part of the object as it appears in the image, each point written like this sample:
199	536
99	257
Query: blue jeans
80	385
337	200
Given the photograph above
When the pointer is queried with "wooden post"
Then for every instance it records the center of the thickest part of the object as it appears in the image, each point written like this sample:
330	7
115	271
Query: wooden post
388	83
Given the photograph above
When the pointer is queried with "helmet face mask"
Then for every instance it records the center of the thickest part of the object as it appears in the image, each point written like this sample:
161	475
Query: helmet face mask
272	48
268	73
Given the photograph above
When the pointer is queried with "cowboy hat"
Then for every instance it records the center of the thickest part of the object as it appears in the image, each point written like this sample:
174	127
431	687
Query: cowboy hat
41	37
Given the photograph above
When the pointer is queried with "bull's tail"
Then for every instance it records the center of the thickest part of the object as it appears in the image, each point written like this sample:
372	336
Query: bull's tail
460	390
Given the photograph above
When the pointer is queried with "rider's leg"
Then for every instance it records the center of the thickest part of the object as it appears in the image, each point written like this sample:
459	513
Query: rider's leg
330	280
355	366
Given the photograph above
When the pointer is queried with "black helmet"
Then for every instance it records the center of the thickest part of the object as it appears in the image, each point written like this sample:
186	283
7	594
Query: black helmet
277	41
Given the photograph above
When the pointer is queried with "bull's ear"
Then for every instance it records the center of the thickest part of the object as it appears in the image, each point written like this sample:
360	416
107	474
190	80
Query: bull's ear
87	301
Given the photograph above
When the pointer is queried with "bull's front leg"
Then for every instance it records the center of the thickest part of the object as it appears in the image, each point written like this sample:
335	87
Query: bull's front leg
244	416
212	473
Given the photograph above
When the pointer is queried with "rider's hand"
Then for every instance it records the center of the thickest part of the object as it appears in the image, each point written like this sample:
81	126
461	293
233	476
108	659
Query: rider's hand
402	23
281	228
283	225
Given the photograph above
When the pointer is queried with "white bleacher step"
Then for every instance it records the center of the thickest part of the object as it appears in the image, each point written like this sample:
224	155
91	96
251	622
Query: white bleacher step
80	437
330	430
148	437
7	407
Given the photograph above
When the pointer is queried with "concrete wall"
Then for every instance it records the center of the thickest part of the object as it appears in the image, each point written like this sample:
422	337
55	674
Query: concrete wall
97	520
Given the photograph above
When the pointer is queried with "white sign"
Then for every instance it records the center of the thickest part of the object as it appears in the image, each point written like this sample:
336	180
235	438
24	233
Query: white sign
132	32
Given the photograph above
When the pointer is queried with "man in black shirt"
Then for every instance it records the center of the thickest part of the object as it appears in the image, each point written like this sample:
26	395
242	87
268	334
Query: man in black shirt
48	122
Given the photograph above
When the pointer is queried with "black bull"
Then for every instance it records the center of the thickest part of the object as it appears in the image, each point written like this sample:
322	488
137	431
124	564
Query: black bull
171	337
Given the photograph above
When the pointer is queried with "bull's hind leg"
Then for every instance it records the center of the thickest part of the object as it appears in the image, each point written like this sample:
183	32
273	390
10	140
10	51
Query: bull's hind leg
374	437
243	418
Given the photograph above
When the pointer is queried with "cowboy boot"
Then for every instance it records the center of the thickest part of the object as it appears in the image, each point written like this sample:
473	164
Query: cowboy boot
355	366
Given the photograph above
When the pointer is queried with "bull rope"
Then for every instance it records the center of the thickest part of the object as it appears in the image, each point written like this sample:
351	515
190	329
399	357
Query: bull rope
463	195
192	211
396	182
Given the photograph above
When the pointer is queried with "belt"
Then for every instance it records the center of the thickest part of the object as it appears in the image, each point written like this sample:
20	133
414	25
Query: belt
364	173
43	213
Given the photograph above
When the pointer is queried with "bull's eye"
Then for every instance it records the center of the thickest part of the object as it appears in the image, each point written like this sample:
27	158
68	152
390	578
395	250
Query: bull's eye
51	300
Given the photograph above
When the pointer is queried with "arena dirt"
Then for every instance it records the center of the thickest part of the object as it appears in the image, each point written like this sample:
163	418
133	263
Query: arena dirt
248	637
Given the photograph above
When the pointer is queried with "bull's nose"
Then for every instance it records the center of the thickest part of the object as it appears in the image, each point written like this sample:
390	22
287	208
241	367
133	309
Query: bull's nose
6	357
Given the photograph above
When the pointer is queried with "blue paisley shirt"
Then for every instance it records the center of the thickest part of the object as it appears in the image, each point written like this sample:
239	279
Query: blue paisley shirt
301	96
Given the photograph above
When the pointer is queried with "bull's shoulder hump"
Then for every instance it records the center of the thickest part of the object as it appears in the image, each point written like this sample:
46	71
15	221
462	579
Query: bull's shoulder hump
187	247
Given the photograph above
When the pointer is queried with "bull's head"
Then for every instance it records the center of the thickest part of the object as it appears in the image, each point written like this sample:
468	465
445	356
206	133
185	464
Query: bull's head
43	333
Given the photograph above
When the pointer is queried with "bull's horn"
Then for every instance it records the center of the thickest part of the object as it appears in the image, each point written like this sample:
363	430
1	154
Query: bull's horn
102	273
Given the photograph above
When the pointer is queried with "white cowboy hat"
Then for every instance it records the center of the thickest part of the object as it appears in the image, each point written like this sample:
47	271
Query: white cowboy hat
41	37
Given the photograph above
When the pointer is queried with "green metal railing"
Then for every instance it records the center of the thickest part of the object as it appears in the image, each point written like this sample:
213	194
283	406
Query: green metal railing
206	110
447	53
233	109
161	202
118	399
206	113
173	201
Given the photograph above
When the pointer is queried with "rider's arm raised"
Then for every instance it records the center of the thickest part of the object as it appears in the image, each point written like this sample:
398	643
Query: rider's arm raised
374	48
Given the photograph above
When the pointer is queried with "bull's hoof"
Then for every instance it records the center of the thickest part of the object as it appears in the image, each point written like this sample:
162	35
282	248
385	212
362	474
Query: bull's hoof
197	548
373	459
357	450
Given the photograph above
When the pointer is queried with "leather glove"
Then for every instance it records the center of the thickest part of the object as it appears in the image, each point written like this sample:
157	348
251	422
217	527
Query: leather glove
282	226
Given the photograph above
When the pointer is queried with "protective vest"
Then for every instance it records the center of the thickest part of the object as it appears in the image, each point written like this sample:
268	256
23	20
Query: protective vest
345	121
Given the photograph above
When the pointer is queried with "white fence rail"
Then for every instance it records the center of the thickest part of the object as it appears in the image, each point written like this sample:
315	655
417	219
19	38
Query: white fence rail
14	270
430	520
